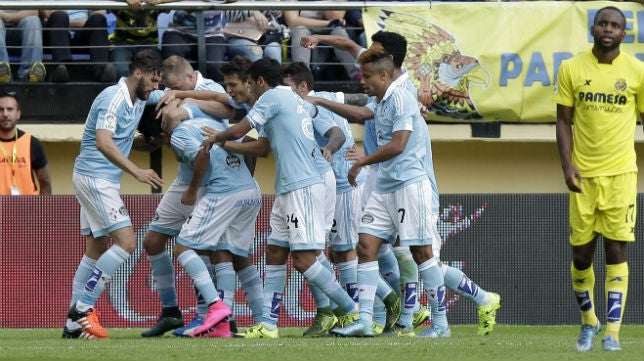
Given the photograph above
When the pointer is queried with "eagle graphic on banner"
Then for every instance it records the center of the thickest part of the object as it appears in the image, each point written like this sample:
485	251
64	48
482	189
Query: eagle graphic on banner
442	74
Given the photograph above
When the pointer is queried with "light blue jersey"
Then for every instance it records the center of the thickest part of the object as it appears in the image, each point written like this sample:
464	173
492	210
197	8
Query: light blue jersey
112	110
405	82
322	123
287	122
369	139
398	111
340	164
227	173
184	174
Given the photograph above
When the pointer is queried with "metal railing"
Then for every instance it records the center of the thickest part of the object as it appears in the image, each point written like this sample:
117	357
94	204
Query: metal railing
201	61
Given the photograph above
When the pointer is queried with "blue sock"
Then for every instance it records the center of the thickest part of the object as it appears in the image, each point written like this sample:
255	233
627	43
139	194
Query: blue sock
368	278
325	280
106	266
226	283
202	305
388	265
83	273
458	282
326	264
321	300
163	276
435	287
383	289
348	277
379	312
409	282
199	274
274	283
251	284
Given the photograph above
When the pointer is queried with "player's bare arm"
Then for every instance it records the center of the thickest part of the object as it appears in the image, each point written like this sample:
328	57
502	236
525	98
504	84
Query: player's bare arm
335	139
390	150
260	147
105	144
352	113
564	144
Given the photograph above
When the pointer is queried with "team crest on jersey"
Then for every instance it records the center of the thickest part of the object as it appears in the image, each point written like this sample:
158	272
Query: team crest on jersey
232	161
156	216
620	85
307	128
110	122
123	211
367	218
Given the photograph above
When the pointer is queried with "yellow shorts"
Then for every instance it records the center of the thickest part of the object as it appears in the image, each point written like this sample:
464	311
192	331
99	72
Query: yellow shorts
606	206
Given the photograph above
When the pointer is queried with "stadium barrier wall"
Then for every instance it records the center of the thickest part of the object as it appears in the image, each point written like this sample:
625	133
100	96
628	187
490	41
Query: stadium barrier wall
514	244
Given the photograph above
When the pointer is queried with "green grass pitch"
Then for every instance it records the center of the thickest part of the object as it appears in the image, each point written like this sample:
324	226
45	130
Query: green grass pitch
526	343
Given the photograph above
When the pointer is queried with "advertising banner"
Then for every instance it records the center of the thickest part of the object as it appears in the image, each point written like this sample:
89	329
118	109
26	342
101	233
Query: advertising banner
495	61
514	244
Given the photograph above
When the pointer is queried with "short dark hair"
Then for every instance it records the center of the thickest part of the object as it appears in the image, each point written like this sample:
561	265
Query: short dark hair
299	72
10	94
609	8
238	65
268	69
147	61
394	43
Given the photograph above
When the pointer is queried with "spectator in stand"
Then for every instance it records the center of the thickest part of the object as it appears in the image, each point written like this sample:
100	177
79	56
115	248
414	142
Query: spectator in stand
136	30
22	154
307	22
21	28
89	35
268	46
355	26
181	39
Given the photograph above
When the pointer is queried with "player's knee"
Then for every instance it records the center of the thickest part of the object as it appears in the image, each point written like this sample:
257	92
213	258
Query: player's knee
153	245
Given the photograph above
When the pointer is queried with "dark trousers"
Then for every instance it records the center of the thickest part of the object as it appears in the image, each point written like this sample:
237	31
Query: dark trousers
91	39
185	45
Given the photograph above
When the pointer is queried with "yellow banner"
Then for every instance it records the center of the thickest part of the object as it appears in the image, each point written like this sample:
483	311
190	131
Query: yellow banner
496	61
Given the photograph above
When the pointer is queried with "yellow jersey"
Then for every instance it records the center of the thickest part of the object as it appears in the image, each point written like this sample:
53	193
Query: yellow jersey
606	99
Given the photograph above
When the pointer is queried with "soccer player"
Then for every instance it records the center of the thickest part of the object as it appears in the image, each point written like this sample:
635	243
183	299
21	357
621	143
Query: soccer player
170	213
178	75
223	218
600	91
401	203
105	146
296	227
488	303
343	238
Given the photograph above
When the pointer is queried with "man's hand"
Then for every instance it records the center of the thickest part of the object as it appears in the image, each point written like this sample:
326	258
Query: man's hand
210	141
208	131
353	174
261	20
309	42
168	96
150	177
573	178
327	154
354	153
